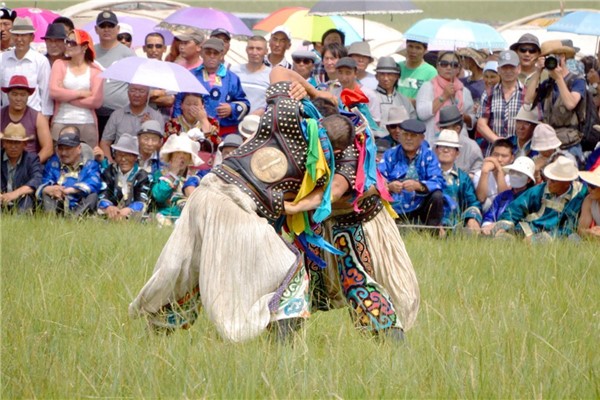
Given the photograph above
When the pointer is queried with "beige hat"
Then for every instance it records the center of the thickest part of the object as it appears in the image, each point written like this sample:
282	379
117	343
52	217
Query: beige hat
127	144
22	26
563	169
528	116
544	138
15	132
181	143
476	55
557	47
396	115
249	125
448	138
524	165
360	48
591	177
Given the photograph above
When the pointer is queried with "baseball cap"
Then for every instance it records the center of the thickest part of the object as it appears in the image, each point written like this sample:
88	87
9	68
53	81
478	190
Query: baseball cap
283	29
107	16
346	62
70	139
220	31
197	37
215	44
508	57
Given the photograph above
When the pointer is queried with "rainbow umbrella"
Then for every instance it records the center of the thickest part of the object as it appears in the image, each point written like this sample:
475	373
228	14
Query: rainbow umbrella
307	27
40	18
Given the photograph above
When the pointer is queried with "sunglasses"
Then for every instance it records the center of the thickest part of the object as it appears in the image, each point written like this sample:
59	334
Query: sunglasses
530	50
446	64
302	60
124	36
105	25
155	46
71	43
393	126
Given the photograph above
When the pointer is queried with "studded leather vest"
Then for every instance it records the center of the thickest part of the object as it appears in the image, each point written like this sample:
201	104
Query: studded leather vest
272	163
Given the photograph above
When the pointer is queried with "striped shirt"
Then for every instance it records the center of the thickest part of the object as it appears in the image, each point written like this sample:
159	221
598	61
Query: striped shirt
501	113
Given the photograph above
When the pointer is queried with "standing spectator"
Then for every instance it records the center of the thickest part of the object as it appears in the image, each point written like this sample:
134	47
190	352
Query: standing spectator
66	22
18	112
444	89
225	36
387	74
69	185
492	180
76	87
254	75
304	59
490	77
108	51
498	110
548	210
461	206
279	42
528	50
414	71
190	47
327	79
129	118
329	36
7	17
414	177
559	96
589	220
470	158
125	35
361	53
226	101
154	46
473	61
21	172
125	186
526	123
55	42
23	60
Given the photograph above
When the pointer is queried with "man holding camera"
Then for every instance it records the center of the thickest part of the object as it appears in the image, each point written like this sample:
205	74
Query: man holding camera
560	95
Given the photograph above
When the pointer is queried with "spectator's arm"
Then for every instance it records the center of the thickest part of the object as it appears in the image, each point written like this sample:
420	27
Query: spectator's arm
57	89
43	83
95	100
89	178
570	98
44	138
425	103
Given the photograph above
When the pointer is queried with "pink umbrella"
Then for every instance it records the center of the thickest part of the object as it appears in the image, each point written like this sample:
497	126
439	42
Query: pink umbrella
40	18
141	27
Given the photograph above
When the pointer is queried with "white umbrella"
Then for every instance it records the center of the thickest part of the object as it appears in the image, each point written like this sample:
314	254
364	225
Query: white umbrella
153	73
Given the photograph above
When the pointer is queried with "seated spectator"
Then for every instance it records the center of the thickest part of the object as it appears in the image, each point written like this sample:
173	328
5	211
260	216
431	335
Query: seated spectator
414	177
21	172
129	118
125	186
461	206
69	186
77	88
396	116
526	121
548	210
589	220
521	177
249	126
492	180
361	53
547	144
150	139
173	184
387	74
229	144
470	158
193	115
18	112
444	90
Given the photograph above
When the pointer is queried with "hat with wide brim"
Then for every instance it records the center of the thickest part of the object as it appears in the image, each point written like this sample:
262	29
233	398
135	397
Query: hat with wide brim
22	26
15	132
127	144
563	170
591	177
448	138
530	116
18	82
524	165
249	125
557	47
183	144
544	138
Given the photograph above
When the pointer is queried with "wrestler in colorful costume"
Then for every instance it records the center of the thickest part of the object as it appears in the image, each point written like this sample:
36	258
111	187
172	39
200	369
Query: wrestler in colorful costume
374	273
224	253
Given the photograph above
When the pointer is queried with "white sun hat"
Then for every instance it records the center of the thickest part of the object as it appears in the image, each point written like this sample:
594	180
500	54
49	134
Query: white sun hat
448	138
181	143
563	170
524	165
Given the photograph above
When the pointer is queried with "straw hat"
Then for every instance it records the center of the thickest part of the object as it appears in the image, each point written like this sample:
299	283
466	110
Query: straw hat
557	47
524	165
563	170
15	132
476	55
127	144
591	177
448	138
181	143
544	138
396	115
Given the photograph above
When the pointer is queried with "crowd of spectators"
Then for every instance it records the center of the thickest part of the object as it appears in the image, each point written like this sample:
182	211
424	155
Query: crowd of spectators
496	143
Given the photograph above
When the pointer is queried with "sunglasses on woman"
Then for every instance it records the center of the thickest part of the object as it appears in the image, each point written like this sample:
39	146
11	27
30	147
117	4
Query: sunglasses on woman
446	64
71	43
124	37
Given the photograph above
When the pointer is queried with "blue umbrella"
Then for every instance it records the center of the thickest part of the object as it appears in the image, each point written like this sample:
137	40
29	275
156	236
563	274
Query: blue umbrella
579	22
450	34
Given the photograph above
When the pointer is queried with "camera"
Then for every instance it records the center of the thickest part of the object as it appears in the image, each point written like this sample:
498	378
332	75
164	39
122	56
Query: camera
551	62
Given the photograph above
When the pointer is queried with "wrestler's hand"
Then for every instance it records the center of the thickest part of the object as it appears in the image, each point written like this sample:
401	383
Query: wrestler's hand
297	91
290	208
327	96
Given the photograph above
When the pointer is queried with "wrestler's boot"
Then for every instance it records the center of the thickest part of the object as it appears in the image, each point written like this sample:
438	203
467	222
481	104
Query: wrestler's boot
285	329
394	335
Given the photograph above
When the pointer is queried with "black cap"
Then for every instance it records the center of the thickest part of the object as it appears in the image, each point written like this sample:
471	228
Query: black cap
346	62
449	115
107	16
413	126
55	31
221	31
7	13
70	139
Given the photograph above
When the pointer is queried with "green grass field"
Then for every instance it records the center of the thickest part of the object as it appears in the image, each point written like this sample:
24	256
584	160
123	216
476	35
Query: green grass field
499	319
496	12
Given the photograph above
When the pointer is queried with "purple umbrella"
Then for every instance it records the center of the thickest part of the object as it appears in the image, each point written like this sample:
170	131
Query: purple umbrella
206	20
141	27
153	73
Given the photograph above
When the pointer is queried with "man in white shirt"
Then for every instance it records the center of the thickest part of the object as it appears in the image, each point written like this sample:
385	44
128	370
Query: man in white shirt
279	42
254	75
23	60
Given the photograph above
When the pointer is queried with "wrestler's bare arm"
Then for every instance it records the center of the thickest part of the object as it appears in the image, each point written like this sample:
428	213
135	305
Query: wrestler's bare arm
339	186
281	74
